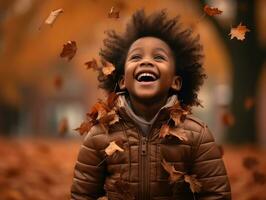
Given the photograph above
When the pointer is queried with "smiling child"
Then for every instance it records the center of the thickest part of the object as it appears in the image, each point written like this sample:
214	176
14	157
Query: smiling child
161	151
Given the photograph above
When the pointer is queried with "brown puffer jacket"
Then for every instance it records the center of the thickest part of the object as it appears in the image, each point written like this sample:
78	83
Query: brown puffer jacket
137	172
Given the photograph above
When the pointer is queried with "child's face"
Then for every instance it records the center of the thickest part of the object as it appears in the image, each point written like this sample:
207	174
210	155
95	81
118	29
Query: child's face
149	69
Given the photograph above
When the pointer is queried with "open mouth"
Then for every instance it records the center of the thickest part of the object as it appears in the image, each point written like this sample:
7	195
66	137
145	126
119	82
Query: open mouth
146	77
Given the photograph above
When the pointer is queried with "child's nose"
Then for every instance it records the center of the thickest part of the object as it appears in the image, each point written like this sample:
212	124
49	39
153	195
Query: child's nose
146	62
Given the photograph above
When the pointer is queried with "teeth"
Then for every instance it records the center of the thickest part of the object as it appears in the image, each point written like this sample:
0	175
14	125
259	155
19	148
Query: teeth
146	74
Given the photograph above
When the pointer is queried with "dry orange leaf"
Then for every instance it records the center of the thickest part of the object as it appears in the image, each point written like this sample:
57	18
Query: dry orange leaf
239	32
69	50
92	64
58	82
179	133
53	16
98	111
108	68
84	127
111	100
177	113
228	118
63	126
174	175
250	162
194	184
249	103
112	148
164	131
110	118
113	13
211	11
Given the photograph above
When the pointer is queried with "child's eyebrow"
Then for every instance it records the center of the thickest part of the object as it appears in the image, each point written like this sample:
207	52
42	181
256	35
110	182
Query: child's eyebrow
135	49
161	49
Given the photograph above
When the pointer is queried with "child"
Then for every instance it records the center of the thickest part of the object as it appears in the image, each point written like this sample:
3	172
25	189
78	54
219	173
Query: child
156	149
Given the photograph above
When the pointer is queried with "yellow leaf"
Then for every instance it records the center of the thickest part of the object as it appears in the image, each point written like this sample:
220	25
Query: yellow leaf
53	16
174	175
112	148
108	69
239	32
194	184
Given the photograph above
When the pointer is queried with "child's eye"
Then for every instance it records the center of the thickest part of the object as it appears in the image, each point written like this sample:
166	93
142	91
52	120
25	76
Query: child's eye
159	57
135	57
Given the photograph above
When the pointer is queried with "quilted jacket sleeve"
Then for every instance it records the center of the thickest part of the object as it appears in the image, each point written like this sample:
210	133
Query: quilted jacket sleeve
88	179
209	168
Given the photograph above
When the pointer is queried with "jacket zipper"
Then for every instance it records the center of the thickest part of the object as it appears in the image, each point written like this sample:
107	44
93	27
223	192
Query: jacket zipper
144	168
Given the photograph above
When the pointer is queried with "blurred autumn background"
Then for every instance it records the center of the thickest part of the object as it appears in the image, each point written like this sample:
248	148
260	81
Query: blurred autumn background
43	96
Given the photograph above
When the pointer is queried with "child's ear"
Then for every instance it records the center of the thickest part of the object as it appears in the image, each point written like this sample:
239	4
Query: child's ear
121	83
177	83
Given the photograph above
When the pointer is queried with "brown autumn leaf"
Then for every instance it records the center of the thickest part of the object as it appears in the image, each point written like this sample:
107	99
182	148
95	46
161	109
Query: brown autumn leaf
92	64
69	50
259	177
249	103
194	184
108	68
110	118
53	16
174	176
211	11
112	148
239	32
250	162
98	111
63	126
164	131
179	133
177	113
58	82
111	100
227	118
113	13
84	127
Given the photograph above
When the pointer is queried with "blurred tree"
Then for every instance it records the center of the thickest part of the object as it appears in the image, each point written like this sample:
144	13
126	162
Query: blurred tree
247	58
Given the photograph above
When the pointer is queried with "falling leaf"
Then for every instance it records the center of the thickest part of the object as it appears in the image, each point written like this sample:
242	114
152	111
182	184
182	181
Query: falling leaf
53	16
249	103
259	178
113	14
69	50
227	118
250	162
176	132
174	176
177	113
179	133
58	82
92	64
108	68
164	131
194	184
84	127
211	11
239	32
98	111
63	127
111	100
112	148
110	118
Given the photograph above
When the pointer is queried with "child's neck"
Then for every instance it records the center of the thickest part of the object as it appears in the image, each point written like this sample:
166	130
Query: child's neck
147	109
